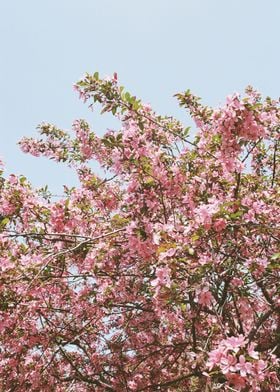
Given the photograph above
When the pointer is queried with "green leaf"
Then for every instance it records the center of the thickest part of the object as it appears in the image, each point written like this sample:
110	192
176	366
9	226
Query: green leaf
22	180
186	131
135	105
5	221
236	215
149	182
195	237
96	75
276	256
183	307
217	138
127	97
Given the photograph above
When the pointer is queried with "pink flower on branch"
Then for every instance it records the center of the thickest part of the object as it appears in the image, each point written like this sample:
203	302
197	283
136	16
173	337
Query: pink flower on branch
160	274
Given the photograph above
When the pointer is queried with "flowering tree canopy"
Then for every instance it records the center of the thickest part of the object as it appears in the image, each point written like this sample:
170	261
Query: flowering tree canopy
163	274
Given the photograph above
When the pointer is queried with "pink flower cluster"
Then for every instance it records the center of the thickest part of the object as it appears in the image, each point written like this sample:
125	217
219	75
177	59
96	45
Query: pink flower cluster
161	274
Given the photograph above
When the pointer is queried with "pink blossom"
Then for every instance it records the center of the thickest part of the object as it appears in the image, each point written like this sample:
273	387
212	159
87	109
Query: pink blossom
163	277
227	363
234	343
215	357
237	381
205	298
5	264
243	366
159	273
219	224
253	354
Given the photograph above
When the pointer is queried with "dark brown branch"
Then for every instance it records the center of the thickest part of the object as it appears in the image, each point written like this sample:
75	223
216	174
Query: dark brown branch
259	323
173	382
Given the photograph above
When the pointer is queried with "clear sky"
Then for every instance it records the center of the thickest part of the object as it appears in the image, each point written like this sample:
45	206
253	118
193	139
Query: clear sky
157	47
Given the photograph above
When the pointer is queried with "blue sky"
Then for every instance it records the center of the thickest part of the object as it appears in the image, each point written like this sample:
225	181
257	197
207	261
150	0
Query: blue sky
157	47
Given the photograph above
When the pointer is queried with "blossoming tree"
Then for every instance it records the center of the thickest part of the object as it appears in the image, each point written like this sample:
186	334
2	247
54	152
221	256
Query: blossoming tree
161	275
